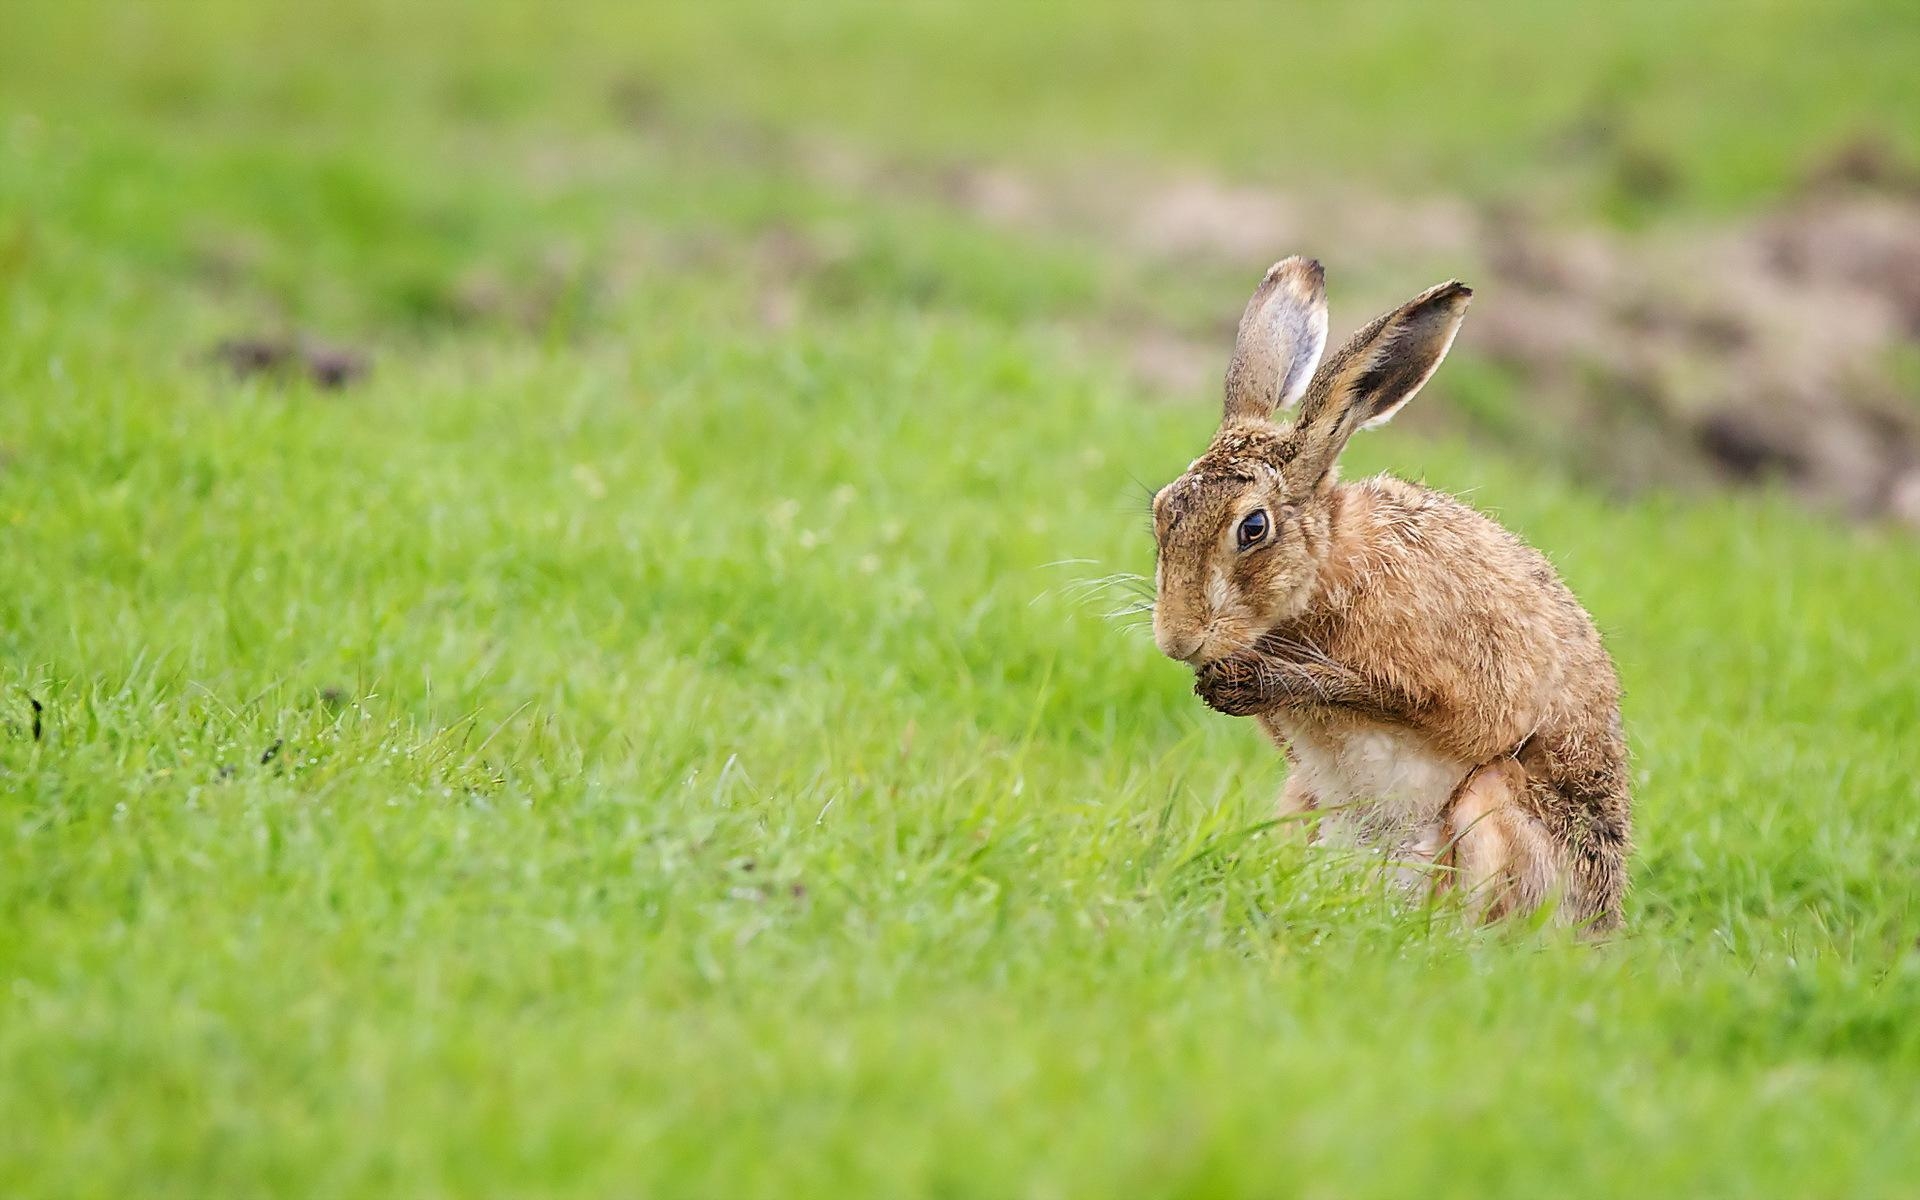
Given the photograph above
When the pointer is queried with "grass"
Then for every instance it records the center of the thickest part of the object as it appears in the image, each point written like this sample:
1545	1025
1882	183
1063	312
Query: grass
1651	110
639	744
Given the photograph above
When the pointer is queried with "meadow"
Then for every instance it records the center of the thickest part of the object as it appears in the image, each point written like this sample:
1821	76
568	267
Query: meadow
662	729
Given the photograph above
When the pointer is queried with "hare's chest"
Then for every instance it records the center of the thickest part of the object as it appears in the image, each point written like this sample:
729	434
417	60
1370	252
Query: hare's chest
1387	783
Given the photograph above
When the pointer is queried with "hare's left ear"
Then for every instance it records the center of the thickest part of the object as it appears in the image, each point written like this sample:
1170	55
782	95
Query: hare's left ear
1380	368
1281	336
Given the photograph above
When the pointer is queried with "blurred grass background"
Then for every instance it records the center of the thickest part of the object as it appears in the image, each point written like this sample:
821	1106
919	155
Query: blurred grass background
654	730
1477	98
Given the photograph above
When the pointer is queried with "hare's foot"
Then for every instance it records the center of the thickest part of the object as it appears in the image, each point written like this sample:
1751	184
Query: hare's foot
1254	682
1502	858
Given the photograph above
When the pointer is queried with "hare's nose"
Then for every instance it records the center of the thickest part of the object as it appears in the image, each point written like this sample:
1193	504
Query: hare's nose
1182	646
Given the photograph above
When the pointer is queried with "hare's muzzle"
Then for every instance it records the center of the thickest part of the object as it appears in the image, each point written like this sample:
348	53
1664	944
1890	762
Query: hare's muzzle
1182	647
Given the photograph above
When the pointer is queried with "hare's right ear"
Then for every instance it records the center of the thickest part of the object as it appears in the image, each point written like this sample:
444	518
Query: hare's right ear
1373	376
1282	334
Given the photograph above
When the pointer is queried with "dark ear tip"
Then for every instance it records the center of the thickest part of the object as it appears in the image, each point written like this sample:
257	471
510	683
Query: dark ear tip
1304	277
1449	297
1309	267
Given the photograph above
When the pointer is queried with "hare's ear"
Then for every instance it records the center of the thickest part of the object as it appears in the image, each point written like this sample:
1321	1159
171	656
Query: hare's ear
1368	380
1282	334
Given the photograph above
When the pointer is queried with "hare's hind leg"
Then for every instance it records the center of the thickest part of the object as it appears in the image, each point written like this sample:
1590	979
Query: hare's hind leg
1578	789
1502	859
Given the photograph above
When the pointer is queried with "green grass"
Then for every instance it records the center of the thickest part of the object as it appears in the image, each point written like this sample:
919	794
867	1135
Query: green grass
626	747
1646	109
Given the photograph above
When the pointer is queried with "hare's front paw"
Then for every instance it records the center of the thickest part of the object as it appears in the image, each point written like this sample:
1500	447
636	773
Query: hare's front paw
1232	686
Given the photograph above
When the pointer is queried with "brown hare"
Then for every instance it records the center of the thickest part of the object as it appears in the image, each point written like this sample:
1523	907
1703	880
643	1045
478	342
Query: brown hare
1438	692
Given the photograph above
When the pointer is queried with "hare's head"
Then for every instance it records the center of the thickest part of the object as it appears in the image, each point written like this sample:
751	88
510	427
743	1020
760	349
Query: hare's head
1242	535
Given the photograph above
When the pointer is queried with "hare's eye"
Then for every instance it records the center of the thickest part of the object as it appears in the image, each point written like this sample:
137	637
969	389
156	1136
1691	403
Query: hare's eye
1253	528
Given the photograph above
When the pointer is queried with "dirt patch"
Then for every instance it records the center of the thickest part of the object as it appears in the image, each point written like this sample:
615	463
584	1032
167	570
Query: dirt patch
1868	161
327	366
1767	347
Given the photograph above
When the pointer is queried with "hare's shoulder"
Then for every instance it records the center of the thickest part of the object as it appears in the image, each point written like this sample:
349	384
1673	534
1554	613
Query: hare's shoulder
1397	505
1405	520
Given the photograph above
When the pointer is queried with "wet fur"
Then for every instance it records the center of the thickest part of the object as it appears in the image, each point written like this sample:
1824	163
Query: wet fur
1439	691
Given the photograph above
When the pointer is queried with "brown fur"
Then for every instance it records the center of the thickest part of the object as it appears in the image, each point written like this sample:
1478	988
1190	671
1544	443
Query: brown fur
1407	652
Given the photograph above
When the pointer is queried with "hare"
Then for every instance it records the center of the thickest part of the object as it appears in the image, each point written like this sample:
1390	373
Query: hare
1437	690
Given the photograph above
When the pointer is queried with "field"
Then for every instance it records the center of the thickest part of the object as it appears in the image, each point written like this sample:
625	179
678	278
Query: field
659	729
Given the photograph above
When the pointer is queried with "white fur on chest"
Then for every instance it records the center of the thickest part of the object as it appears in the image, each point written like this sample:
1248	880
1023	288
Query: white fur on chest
1386	782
